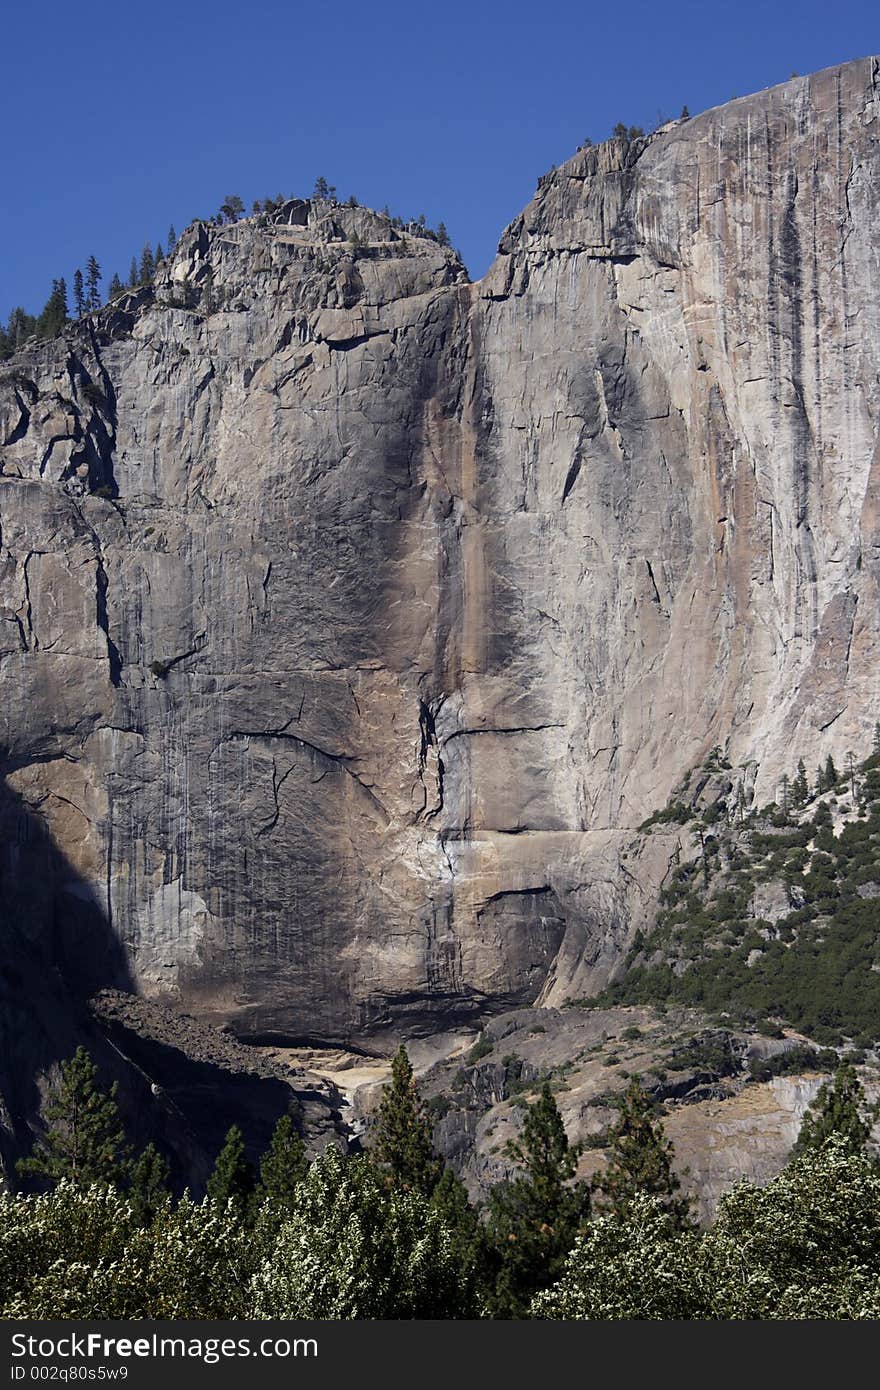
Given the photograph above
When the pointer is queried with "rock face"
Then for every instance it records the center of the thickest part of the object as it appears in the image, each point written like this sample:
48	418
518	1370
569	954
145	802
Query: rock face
355	615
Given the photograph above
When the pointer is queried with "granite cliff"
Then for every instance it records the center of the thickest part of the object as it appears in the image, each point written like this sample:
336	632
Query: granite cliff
354	615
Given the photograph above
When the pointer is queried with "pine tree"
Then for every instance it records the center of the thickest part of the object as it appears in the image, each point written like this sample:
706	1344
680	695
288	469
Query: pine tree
160	254
800	787
148	1185
442	234
830	774
535	1217
640	1158
54	315
148	265
321	190
784	788
84	1139
452	1204
839	1109
116	287
851	772
403	1132
171	239
93	280
685	114
79	299
133	276
233	1178
20	326
283	1165
231	208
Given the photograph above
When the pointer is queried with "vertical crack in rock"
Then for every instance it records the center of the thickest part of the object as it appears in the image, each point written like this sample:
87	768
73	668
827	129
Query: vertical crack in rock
114	661
430	764
33	642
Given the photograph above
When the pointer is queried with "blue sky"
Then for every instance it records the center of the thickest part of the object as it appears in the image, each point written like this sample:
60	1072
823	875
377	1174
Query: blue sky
122	117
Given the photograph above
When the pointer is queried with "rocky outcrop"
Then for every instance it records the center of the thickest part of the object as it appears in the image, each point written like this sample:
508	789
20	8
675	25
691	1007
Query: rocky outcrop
354	616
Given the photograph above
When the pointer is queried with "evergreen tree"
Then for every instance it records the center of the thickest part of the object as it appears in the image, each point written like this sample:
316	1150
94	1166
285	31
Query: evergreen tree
685	114
442	234
785	789
79	299
851	772
403	1132
116	287
877	738
283	1165
233	1178
535	1218
640	1159
148	1185
93	281
830	774
839	1109
800	787
451	1203
20	326
321	190
133	275
84	1140
148	265
160	254
54	315
231	208
171	239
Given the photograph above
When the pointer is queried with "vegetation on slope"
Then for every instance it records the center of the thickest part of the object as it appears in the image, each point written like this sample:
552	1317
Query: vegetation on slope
812	960
388	1234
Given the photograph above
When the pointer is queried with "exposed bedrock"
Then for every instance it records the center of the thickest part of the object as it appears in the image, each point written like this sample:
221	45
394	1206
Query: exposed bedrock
353	616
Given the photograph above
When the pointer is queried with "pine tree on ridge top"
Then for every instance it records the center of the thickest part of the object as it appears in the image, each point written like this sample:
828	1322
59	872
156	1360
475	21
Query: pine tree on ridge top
148	265
54	315
84	1139
93	280
403	1132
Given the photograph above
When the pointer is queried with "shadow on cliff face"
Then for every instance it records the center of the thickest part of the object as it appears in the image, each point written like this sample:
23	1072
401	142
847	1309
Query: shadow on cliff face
57	948
47	905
